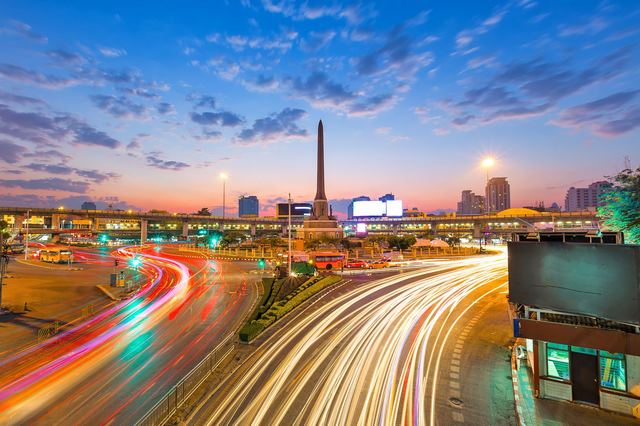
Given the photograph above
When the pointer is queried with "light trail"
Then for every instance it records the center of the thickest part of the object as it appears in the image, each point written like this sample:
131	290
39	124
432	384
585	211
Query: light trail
370	356
115	365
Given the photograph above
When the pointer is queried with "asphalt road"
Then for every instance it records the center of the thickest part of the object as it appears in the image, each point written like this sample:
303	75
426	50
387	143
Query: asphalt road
112	368
420	347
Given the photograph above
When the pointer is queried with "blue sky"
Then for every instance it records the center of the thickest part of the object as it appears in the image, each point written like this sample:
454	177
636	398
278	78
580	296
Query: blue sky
143	104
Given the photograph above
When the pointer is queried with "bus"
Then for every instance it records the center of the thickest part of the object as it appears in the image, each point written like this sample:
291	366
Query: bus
328	260
56	255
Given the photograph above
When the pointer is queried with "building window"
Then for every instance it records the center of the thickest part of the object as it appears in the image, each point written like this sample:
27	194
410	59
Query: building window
558	361
613	372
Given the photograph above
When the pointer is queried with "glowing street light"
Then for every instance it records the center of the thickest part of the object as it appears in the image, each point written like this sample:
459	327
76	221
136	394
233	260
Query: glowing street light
488	163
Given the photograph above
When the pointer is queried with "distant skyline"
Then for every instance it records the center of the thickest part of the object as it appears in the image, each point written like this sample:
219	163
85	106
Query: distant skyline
143	104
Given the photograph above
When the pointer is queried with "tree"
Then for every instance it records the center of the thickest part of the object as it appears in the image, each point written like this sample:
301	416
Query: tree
204	212
401	242
4	235
620	205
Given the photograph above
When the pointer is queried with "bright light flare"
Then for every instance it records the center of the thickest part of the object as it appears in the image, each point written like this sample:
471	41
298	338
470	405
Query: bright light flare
224	176
488	162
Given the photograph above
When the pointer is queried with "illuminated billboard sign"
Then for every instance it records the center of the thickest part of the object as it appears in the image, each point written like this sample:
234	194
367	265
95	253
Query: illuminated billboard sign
394	208
391	208
368	208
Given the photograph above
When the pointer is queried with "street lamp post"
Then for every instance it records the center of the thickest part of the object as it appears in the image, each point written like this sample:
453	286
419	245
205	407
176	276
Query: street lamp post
289	229
26	241
224	178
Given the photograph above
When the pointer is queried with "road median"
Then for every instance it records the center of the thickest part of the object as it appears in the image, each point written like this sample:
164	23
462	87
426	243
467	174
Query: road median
271	311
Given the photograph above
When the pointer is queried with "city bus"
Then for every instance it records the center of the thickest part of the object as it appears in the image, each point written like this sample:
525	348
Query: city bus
56	255
328	260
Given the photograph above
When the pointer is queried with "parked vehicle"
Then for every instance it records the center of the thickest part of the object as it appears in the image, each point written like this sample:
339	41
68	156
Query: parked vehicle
54	255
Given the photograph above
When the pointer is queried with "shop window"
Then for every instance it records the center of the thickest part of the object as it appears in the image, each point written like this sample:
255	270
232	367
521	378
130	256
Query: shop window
558	361
613	372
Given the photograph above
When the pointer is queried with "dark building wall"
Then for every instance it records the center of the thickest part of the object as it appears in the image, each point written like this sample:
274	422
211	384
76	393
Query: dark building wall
600	280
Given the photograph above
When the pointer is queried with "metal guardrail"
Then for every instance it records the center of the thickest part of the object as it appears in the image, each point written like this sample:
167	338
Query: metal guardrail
179	393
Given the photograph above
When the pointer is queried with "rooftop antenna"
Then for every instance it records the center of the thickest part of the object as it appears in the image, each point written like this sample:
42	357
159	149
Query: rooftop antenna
627	162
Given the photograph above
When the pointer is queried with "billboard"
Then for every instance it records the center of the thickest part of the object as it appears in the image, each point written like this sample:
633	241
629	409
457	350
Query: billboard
297	209
391	208
600	280
394	208
368	208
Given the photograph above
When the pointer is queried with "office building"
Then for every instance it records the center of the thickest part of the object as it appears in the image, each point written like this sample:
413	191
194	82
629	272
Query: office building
579	199
470	203
387	197
248	206
350	207
88	205
497	195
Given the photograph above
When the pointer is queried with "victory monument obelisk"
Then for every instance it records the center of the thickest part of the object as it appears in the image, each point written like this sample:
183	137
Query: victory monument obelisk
321	223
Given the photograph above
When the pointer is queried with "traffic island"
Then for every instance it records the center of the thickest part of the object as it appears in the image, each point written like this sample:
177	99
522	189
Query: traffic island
270	312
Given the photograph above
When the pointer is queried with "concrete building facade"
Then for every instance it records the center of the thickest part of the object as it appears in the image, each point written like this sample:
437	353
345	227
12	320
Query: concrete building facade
497	195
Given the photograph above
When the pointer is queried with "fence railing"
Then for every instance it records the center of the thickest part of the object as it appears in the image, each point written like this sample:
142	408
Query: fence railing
178	394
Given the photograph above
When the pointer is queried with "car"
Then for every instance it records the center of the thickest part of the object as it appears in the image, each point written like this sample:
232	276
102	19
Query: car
356	264
379	264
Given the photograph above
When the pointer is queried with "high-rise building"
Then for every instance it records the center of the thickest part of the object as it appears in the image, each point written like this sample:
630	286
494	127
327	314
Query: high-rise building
387	197
350	207
497	195
88	205
470	203
578	199
248	206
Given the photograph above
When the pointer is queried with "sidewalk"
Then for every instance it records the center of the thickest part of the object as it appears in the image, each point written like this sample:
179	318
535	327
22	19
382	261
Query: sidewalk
537	411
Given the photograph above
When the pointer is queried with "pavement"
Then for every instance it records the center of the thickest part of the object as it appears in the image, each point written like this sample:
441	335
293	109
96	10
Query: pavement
548	412
39	296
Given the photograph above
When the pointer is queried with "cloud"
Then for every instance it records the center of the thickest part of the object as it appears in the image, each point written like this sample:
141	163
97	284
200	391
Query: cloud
112	52
23	75
20	100
49	184
372	105
320	91
276	127
383	130
153	160
529	88
608	116
62	169
465	37
73	201
66	58
11	152
49	154
165	108
24	30
317	40
395	57
120	107
262	84
202	101
84	134
354	14
592	27
222	118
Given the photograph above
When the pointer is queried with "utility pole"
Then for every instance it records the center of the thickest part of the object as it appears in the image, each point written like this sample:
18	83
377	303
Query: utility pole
289	228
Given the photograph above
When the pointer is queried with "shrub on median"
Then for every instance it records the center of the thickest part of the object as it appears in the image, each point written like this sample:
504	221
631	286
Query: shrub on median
250	330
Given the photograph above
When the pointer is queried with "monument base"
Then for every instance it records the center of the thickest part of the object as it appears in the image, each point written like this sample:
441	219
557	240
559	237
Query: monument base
317	228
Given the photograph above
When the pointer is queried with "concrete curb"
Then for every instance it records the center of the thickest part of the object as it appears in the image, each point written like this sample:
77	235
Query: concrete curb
516	386
107	293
